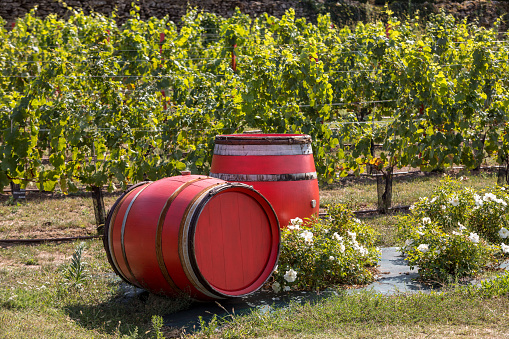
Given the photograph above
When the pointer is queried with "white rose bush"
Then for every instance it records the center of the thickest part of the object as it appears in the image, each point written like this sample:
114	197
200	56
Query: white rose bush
457	232
316	254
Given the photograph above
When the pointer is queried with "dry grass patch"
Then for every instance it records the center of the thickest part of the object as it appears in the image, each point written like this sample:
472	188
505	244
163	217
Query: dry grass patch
46	216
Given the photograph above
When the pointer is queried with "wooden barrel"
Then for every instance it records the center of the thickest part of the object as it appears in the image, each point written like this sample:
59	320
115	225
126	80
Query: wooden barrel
280	166
195	235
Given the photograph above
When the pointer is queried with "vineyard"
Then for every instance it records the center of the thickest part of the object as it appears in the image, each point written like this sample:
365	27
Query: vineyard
84	102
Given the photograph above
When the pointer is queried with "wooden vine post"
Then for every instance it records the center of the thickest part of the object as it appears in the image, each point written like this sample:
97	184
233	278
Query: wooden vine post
99	209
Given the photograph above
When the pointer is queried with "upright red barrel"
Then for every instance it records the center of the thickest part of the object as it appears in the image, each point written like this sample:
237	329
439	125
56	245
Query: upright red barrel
279	166
195	235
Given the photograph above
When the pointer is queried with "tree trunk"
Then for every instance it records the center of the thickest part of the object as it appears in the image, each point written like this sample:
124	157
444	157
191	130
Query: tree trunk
99	210
502	175
384	190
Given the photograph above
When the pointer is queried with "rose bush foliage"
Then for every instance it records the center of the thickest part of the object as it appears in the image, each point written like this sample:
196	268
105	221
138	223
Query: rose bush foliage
316	254
457	232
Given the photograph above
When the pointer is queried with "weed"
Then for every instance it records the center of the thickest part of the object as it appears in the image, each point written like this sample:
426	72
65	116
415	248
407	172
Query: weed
76	272
157	325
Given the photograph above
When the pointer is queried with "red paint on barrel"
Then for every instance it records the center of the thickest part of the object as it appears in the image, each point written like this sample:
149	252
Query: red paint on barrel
193	234
280	166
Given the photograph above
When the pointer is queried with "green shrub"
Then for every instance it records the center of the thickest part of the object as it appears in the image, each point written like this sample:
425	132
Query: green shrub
456	232
316	254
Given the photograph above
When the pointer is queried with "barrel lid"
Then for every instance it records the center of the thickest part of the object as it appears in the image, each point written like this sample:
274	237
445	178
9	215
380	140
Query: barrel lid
263	139
236	240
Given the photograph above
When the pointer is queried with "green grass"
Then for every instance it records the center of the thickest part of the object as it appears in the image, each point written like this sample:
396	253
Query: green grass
39	300
368	315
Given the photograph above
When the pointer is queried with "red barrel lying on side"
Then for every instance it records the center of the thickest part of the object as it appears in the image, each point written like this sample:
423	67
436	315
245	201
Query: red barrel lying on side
195	235
279	166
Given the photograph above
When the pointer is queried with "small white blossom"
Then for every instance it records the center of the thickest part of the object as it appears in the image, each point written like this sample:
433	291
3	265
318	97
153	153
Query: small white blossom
326	230
409	242
473	237
433	200
352	235
423	248
337	236
503	233
443	207
454	201
290	275
501	201
411	207
462	228
295	224
456	233
296	221
308	237
286	288
426	220
356	220
489	197
478	200
276	287
331	258
504	247
342	248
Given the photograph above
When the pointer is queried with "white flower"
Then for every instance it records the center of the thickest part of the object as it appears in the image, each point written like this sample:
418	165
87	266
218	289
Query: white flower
409	242
426	220
502	188
355	245
295	224
438	252
478	200
326	230
337	236
423	248
473	237
331	258
462	228
290	275
286	288
296	221
419	232
276	287
411	207
456	233
443	207
352	235
308	236
363	250
501	201
504	247
489	197
356	220
433	200
342	248
503	233
454	201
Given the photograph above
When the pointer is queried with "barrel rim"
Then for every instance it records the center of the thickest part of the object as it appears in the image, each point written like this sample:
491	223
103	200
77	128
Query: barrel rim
276	233
263	139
